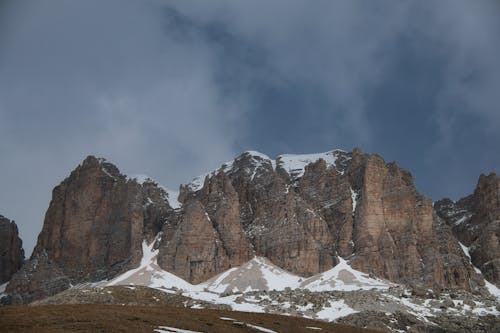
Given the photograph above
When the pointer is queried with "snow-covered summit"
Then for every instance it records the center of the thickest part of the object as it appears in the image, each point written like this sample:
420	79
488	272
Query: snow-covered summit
293	164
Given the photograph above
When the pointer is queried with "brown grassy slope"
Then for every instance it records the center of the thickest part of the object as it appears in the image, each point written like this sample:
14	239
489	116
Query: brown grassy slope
115	318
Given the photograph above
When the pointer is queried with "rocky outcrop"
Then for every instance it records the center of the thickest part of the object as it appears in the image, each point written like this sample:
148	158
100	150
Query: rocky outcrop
301	212
11	249
93	229
37	279
93	226
475	220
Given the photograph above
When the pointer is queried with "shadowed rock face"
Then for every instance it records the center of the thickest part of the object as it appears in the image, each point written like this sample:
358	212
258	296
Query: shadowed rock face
358	207
11	249
475	221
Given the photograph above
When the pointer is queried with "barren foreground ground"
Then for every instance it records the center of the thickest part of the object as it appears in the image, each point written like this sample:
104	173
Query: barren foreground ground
116	318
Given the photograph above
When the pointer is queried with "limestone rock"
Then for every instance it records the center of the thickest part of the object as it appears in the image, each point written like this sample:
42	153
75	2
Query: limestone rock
11	249
38	278
396	234
192	249
302	211
94	228
475	221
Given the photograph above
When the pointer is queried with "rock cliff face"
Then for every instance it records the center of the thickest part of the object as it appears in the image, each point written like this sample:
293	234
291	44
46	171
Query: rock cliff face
397	235
11	249
475	221
302	211
93	229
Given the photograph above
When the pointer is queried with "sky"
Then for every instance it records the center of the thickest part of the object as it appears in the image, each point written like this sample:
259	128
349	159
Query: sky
172	89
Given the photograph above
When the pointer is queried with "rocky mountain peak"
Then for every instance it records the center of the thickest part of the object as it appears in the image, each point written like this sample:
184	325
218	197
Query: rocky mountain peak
95	225
475	221
11	249
301	211
304	213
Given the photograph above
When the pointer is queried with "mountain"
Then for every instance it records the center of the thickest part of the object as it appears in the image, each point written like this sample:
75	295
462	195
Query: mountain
303	214
93	230
475	221
302	211
11	249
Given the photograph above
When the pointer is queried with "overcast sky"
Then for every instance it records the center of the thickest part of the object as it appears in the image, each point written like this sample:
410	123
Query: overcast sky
174	88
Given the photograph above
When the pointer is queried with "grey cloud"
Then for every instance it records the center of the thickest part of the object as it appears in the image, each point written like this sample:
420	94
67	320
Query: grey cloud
171	89
105	78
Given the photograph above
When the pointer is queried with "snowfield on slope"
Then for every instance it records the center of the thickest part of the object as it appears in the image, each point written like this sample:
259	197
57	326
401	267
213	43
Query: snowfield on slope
149	274
257	274
342	277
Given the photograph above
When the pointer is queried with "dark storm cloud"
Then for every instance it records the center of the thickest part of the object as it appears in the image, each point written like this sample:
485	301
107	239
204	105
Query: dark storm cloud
105	78
415	81
172	89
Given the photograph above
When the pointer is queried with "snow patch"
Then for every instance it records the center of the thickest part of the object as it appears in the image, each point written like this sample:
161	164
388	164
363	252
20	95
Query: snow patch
140	179
342	277
2	287
492	289
337	309
295	165
257	274
258	154
260	328
167	329
150	274
354	197
463	219
173	198
172	195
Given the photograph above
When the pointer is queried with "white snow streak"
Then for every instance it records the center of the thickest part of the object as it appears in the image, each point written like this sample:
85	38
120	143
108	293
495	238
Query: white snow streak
354	197
260	328
493	290
167	329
